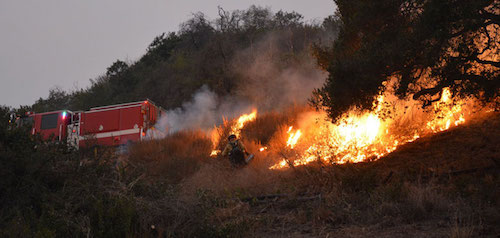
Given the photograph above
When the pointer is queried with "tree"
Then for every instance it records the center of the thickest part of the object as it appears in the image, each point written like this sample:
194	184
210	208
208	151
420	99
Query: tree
228	21
424	45
257	18
161	48
58	99
288	19
4	117
117	68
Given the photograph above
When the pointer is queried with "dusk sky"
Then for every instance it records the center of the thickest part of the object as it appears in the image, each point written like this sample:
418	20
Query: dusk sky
65	43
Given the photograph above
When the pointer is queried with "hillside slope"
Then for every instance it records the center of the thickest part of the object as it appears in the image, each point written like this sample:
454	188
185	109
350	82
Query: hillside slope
474	146
443	185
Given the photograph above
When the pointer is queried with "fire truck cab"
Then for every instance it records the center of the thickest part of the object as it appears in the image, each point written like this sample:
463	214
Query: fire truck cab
50	125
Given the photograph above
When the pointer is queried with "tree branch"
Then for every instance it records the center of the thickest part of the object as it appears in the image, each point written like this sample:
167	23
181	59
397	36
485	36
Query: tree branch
476	59
428	91
490	16
492	63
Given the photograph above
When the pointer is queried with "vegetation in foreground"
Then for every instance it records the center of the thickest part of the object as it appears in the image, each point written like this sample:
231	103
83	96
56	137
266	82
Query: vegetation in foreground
445	185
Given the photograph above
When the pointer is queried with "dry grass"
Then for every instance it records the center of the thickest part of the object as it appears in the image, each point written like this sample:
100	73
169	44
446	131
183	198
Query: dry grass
413	192
263	129
463	227
175	157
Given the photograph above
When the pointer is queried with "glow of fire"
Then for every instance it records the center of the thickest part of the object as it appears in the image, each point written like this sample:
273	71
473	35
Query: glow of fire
293	138
358	137
449	113
263	148
235	129
214	153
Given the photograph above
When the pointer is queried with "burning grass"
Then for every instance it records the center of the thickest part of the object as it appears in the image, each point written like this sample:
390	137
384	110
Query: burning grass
418	188
299	135
363	136
446	169
449	167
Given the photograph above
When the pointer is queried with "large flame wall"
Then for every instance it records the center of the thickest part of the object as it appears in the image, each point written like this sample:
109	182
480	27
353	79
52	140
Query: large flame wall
360	136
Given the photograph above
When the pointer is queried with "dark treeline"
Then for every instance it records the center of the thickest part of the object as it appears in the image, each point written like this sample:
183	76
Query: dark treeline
202	52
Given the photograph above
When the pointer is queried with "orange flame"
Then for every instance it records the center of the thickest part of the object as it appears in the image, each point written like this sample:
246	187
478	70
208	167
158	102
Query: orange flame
358	137
449	113
293	138
236	128
214	153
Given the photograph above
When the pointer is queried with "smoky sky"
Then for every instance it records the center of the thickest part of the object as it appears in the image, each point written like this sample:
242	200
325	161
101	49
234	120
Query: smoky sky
64	43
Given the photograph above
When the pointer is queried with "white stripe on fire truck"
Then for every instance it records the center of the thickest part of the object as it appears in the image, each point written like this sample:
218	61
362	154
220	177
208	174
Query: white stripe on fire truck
113	133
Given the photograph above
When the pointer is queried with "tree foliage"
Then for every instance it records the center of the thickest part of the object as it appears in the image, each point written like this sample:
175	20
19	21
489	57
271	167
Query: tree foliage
424	45
58	99
202	52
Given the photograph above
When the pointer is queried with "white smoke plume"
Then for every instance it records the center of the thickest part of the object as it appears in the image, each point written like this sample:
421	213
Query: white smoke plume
267	83
204	111
272	81
198	113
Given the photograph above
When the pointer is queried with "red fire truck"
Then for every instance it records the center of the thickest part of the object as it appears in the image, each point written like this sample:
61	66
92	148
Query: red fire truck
107	125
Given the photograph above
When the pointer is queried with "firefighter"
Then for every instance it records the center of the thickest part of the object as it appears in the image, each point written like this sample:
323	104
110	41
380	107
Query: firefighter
236	151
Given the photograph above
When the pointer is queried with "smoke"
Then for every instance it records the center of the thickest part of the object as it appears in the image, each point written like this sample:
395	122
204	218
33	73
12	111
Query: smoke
276	74
198	113
272	75
203	111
